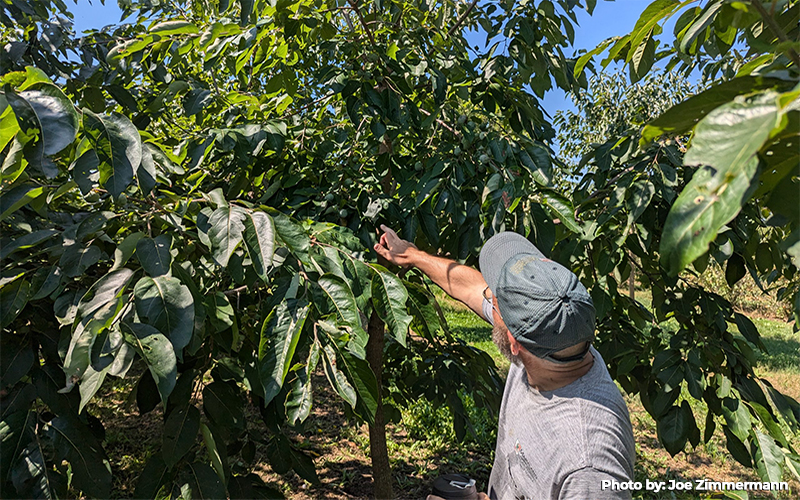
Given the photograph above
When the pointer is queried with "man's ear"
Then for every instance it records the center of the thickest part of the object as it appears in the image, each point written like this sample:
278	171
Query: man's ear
515	345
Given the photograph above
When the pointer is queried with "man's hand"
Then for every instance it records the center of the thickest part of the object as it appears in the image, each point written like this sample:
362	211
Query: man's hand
394	249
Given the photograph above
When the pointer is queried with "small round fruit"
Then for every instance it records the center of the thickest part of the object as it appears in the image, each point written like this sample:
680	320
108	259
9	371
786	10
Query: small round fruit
462	119
484	158
418	166
343	213
348	182
329	197
456	150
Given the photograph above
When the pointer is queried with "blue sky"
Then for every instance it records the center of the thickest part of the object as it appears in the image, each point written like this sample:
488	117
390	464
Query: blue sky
614	18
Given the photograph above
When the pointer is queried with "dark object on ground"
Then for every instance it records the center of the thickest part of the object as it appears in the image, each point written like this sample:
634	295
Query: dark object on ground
455	486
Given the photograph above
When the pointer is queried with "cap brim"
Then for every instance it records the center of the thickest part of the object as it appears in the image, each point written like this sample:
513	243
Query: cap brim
496	252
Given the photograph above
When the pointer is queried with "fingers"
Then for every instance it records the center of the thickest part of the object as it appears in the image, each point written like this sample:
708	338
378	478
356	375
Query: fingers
382	251
388	230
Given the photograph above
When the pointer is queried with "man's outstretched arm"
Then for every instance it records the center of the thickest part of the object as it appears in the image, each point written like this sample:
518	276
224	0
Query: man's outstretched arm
461	282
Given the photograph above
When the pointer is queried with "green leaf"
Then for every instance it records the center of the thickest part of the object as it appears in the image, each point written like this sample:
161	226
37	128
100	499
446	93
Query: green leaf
585	58
91	471
13	298
8	127
389	297
180	434
734	269
16	359
769	458
76	259
16	430
107	289
360	374
204	483
213	451
299	399
650	17
46	110
17	197
225	232
292	235
562	208
737	417
727	141
157	352
91	381
173	28
684	116
125	249
152	478
196	100
699	25
345	303
259	239
537	160
26	241
642	58
118	146
154	254
222	404
279	336
673	428
165	303
336	378
33	478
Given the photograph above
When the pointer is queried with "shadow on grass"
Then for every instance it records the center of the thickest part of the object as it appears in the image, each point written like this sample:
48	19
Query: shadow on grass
782	354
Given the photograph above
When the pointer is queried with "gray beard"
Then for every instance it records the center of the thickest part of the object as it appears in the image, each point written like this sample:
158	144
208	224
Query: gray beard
500	338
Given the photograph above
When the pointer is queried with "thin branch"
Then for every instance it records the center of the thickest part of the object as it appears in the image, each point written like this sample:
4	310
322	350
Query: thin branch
776	30
328	96
361	20
462	18
440	122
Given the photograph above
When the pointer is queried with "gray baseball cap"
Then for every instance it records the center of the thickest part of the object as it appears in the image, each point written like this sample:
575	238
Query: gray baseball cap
543	304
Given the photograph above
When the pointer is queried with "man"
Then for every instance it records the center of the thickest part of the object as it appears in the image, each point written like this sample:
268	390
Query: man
564	428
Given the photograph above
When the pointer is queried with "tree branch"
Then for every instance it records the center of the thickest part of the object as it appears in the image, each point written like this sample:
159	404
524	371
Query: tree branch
354	5
776	30
462	18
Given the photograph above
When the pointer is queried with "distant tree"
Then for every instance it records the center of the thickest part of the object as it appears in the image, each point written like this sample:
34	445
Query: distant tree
612	107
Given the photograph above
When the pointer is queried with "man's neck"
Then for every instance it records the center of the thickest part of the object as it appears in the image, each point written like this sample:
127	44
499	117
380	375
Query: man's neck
546	376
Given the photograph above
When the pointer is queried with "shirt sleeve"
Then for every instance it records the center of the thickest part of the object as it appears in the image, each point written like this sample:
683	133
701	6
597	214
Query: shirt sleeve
487	311
588	483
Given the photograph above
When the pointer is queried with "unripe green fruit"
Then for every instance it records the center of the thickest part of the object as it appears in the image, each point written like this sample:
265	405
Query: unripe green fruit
329	197
484	158
462	119
456	150
92	197
418	166
348	182
122	199
343	213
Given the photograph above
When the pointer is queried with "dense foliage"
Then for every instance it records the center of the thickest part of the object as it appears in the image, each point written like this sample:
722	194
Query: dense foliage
199	190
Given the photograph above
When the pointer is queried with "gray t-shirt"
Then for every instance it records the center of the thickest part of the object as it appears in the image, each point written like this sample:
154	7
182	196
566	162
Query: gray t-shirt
562	444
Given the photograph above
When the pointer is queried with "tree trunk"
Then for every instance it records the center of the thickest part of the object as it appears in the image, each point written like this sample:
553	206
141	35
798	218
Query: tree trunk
381	472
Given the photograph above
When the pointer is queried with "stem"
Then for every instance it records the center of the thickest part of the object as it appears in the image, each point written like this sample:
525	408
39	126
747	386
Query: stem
462	18
354	5
381	471
776	30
